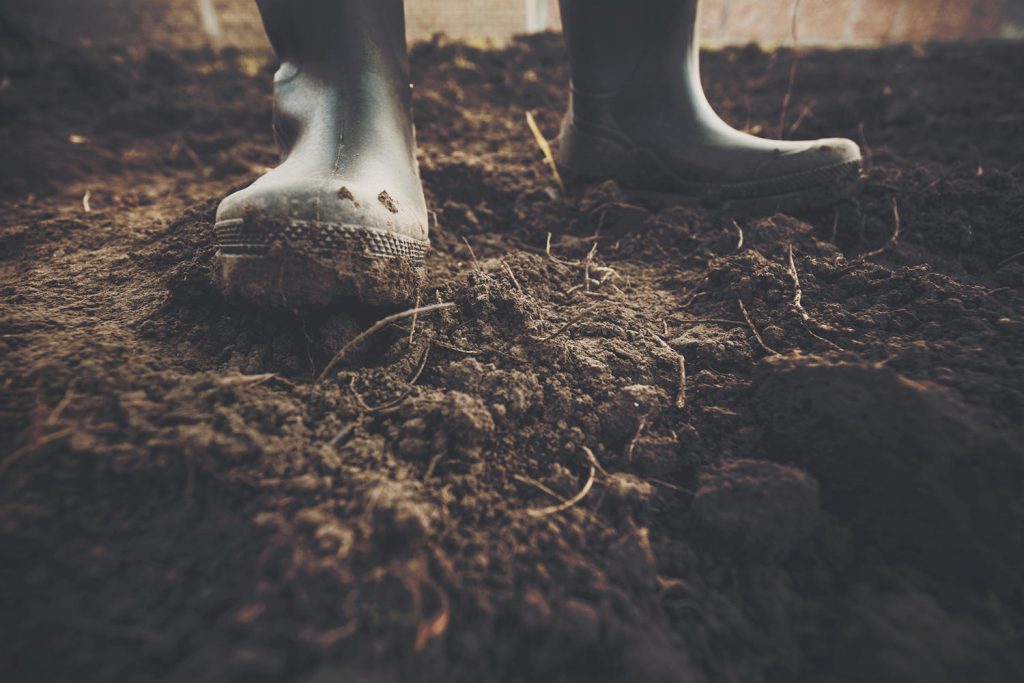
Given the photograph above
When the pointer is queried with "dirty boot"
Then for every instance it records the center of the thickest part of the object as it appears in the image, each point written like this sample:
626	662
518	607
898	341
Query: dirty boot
344	214
638	115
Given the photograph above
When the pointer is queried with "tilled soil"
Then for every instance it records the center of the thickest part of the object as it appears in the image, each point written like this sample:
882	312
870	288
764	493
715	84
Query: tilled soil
653	446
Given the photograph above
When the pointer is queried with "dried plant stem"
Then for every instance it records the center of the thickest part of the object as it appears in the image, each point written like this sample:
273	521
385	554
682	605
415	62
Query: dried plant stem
894	238
508	269
798	294
792	71
1010	259
408	390
33	446
375	328
472	254
636	437
563	328
757	335
415	316
555	509
865	147
805	317
545	148
681	395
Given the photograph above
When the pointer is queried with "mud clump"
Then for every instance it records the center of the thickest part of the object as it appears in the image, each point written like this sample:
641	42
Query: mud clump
385	199
756	509
906	464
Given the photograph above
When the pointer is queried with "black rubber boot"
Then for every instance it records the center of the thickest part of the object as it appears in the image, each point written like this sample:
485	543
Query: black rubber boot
344	214
638	115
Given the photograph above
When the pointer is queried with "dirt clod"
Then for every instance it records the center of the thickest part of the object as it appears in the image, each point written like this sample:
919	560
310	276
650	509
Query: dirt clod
756	509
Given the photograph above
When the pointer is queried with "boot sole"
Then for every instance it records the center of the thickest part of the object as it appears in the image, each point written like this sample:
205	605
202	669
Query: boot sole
834	184
300	265
592	154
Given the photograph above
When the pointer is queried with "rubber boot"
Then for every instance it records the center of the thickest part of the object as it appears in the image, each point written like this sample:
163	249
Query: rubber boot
344	214
638	114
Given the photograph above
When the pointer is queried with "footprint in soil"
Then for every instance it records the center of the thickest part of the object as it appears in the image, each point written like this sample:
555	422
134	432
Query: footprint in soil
207	331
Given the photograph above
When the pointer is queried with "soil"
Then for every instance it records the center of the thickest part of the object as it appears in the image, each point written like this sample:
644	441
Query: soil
524	485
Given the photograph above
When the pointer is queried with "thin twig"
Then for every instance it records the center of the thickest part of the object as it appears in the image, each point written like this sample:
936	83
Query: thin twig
243	380
631	447
455	349
697	293
586	267
555	509
788	95
893	239
552	257
798	294
472	254
508	269
659	482
541	487
34	446
805	317
363	405
865	147
718	321
792	71
536	484
1010	259
415	317
681	396
377	327
592	459
409	389
433	465
345	431
757	335
545	148
564	327
62	404
805	113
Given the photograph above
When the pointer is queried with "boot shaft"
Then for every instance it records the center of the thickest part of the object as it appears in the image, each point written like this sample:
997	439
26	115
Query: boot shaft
615	43
344	78
340	36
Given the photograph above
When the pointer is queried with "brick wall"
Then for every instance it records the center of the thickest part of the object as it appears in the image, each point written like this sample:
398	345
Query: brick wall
179	23
854	22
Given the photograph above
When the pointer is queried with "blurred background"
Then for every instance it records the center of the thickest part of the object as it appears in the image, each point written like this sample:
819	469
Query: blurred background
235	23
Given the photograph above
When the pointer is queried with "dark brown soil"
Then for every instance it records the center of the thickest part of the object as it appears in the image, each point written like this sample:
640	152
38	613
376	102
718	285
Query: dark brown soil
833	494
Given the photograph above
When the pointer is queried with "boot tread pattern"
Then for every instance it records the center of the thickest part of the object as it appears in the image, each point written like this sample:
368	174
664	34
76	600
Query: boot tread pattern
234	237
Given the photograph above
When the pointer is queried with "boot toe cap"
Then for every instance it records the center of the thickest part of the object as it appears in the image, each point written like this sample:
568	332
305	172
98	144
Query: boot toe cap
324	214
795	159
333	201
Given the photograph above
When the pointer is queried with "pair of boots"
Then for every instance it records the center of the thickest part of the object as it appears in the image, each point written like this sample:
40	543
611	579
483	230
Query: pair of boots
344	213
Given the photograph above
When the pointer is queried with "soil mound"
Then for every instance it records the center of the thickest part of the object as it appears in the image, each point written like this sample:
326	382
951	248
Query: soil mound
636	445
